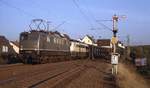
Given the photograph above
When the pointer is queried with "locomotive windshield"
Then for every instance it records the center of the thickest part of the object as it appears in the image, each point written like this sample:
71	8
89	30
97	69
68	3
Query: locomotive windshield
29	37
29	41
24	37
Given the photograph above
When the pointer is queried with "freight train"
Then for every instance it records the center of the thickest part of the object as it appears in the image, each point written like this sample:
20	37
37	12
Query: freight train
39	46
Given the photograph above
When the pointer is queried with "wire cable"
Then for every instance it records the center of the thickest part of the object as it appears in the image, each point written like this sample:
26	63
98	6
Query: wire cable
82	12
98	22
19	9
59	25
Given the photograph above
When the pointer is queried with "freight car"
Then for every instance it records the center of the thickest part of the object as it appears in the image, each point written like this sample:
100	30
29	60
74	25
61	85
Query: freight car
39	46
97	52
78	49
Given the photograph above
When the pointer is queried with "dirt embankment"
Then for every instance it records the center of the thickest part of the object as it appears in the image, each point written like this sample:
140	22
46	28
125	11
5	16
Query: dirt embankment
128	78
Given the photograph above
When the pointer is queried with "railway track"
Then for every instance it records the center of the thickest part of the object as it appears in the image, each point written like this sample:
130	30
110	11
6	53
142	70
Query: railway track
71	74
32	78
60	79
10	65
65	79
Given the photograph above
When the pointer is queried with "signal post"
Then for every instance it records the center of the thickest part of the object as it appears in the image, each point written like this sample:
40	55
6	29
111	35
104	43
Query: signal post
114	41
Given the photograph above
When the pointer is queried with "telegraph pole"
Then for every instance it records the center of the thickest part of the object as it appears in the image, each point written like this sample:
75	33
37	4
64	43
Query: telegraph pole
128	48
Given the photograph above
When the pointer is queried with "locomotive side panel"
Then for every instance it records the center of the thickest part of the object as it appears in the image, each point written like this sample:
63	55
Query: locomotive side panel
53	43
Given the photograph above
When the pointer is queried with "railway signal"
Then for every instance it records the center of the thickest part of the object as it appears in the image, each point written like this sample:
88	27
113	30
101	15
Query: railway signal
114	41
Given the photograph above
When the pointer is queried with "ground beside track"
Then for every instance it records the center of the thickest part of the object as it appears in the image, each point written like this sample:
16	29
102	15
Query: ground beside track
128	77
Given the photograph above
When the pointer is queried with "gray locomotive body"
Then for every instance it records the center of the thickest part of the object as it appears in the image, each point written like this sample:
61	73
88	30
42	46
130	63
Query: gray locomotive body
43	46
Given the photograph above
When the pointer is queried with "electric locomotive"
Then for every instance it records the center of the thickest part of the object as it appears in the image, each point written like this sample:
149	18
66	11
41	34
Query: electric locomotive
39	46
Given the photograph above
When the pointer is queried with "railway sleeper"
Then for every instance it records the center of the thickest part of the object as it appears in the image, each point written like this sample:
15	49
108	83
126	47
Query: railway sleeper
61	80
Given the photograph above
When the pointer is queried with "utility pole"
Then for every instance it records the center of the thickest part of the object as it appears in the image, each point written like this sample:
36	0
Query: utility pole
128	40
128	48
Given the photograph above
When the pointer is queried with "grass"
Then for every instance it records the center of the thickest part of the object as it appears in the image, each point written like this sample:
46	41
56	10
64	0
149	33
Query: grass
129	78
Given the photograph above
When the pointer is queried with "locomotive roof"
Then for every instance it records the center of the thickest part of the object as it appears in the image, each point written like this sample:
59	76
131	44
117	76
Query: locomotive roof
55	33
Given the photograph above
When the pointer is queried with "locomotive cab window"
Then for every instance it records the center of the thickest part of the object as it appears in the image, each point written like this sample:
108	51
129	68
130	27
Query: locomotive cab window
24	37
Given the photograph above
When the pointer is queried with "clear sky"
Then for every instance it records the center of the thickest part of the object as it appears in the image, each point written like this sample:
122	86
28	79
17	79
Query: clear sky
16	15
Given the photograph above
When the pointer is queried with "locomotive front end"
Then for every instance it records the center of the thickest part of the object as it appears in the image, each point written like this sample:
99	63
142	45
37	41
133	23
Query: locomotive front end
29	46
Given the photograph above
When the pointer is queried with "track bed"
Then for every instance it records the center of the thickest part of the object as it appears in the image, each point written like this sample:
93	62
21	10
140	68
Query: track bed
69	74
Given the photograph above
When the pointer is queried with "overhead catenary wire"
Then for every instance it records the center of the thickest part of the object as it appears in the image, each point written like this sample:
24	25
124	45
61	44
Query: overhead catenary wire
48	22
25	12
83	14
17	8
59	25
74	1
105	26
98	22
